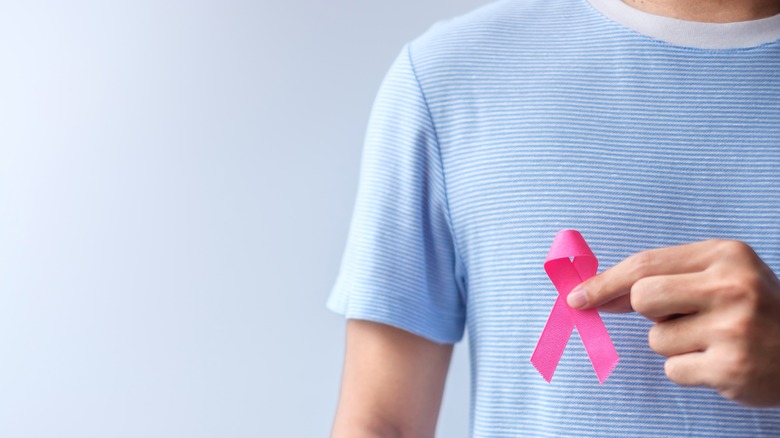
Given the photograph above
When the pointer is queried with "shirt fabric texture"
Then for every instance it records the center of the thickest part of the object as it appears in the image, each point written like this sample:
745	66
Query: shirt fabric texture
495	130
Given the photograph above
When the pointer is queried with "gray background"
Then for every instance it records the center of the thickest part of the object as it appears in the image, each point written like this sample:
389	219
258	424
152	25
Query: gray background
176	183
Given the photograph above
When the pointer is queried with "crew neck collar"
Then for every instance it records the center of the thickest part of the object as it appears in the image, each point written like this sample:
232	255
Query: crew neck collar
694	34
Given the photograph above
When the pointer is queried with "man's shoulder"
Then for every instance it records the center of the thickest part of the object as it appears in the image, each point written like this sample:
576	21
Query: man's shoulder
494	29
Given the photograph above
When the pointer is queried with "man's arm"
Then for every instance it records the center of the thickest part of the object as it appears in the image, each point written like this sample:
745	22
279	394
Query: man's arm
392	384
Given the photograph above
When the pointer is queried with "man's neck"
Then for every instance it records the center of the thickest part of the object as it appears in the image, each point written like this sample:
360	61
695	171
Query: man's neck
711	11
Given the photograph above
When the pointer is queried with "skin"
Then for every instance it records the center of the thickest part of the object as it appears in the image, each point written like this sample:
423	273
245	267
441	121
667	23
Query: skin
716	309
710	11
392	385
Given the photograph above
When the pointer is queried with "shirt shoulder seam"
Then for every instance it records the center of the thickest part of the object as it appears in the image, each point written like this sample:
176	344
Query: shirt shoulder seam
455	241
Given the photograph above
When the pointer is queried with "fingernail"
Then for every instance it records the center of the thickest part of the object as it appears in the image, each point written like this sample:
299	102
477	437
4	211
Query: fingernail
577	297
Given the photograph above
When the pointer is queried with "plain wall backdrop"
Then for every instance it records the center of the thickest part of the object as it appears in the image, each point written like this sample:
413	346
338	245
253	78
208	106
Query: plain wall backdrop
176	185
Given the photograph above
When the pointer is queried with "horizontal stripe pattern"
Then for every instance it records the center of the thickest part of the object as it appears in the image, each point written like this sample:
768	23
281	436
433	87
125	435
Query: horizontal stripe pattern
493	131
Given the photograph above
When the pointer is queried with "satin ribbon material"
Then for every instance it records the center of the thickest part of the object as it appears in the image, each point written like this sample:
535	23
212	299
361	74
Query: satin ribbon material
569	263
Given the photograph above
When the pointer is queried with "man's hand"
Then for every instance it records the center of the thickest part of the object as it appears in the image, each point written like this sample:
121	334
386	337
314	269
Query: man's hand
716	308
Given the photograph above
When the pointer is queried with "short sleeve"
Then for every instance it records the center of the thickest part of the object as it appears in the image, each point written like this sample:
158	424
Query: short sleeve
400	265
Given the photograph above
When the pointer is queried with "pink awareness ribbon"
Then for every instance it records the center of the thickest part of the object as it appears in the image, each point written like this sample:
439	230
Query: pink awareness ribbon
569	263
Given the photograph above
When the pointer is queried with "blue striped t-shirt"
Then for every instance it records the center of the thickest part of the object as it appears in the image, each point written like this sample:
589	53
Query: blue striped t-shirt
494	130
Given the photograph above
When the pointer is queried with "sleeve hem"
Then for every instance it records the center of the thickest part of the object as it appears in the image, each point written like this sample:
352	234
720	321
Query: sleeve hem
435	332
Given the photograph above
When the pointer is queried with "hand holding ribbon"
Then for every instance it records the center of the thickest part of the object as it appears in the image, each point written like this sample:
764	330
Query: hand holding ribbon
716	309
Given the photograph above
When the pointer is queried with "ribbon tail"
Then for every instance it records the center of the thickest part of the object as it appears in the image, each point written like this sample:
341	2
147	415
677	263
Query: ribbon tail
553	340
598	344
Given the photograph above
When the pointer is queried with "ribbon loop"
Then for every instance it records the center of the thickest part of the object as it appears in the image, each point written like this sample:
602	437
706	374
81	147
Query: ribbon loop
569	262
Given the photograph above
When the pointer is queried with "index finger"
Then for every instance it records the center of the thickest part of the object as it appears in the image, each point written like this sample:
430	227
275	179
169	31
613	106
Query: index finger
617	280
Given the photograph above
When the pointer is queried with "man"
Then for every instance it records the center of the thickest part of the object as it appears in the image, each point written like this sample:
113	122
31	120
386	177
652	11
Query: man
653	128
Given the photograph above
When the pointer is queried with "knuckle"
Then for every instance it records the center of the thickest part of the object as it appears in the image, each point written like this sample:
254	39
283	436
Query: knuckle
735	370
739	328
743	287
751	283
735	248
738	363
730	392
640	264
